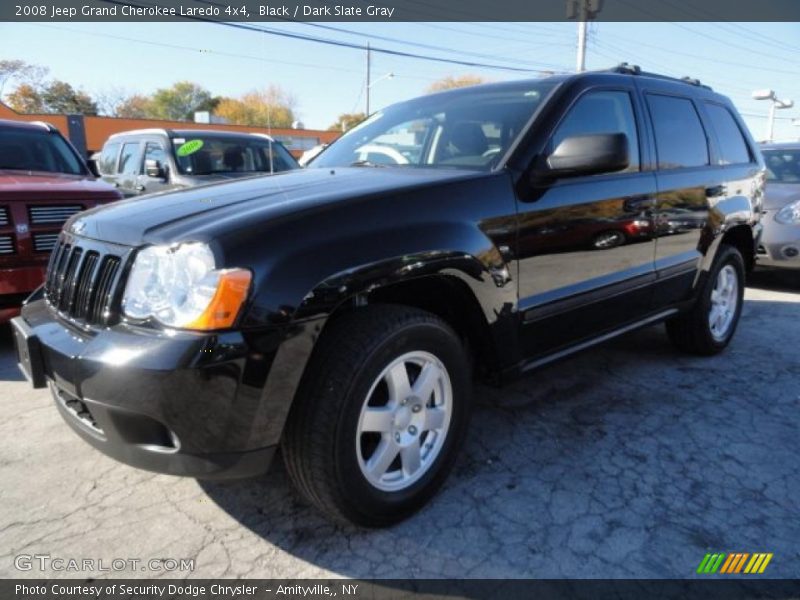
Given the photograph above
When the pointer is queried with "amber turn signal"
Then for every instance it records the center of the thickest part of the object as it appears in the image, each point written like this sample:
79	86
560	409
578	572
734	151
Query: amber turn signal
228	300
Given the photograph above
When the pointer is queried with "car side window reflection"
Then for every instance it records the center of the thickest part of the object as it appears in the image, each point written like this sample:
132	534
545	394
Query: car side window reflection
605	111
156	152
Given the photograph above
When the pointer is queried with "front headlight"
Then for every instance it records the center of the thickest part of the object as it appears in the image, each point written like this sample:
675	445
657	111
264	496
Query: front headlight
789	214
180	286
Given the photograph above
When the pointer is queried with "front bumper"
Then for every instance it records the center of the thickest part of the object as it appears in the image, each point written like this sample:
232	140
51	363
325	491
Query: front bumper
179	403
779	245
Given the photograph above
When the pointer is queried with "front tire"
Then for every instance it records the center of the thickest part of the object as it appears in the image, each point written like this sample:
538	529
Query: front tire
708	327
380	415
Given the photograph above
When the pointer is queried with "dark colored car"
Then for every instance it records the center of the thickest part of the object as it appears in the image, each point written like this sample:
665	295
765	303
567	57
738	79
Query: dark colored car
43	182
780	243
146	161
340	311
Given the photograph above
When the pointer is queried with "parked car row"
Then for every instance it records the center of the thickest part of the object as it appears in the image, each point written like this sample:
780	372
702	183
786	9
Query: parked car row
44	182
340	311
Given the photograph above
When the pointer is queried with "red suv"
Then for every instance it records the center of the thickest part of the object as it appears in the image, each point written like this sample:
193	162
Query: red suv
43	182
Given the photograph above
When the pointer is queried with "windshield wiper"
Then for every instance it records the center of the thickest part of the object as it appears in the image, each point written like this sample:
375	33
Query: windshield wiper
365	163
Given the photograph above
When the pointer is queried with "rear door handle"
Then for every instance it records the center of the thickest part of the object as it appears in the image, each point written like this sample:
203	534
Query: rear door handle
140	188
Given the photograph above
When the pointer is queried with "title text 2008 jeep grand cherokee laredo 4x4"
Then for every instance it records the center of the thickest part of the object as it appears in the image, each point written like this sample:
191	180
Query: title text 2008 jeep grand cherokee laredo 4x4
338	311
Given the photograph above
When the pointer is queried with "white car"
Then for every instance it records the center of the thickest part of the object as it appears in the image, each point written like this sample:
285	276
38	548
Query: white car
780	240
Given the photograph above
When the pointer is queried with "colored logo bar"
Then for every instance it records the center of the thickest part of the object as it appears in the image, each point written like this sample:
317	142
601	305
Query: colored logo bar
734	563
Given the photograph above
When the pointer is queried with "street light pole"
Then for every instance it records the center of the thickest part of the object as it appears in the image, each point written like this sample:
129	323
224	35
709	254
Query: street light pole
774	105
771	121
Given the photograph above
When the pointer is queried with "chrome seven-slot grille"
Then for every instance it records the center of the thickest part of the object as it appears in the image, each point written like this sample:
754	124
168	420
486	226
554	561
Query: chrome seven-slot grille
81	281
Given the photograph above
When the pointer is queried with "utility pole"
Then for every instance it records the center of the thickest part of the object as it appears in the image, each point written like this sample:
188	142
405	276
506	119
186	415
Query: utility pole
582	11
369	59
580	63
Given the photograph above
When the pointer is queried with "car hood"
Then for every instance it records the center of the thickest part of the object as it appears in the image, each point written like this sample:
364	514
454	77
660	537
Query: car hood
201	213
778	195
27	185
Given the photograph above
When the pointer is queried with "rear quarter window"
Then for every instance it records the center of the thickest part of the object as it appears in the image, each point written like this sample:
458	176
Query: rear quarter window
732	146
107	163
680	137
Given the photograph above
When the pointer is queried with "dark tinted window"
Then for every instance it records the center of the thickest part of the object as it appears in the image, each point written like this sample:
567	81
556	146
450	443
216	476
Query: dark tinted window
602	112
732	147
107	163
32	150
153	151
680	137
127	161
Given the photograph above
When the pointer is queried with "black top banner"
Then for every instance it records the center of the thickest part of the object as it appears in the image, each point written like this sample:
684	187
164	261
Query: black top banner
399	10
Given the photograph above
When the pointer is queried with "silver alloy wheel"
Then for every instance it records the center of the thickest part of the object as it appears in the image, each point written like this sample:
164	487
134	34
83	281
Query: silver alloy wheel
610	239
724	302
404	421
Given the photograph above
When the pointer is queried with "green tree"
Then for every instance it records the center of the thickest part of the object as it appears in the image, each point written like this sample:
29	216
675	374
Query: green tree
450	82
270	107
347	121
179	102
135	106
60	97
54	97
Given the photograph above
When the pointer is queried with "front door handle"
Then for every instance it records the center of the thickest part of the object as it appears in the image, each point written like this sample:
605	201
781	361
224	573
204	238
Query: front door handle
715	191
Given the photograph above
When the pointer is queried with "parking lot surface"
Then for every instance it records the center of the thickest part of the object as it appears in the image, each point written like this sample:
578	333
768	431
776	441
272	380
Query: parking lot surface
629	460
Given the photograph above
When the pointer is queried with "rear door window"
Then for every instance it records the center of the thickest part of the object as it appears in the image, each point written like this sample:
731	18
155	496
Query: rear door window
680	137
602	112
732	146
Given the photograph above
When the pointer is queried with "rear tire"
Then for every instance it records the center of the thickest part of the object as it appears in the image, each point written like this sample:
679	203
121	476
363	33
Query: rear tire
708	327
381	412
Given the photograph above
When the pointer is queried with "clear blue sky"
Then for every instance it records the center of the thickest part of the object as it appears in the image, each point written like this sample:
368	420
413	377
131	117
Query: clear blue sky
734	58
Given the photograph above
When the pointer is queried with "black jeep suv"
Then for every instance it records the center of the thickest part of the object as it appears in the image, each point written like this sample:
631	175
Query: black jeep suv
340	312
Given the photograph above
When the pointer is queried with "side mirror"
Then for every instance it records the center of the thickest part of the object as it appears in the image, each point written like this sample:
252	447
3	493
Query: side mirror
93	169
587	155
153	168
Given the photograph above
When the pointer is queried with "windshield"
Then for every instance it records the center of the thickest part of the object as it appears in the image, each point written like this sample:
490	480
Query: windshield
30	150
783	166
206	155
469	129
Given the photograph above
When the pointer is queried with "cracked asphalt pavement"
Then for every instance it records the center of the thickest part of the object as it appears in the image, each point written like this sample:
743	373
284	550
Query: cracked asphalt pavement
629	460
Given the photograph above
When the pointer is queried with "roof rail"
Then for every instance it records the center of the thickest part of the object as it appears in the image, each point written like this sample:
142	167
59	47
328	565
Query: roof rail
629	69
49	126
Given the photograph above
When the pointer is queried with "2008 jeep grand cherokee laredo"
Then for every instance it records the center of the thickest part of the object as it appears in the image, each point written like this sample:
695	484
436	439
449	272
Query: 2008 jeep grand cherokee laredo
340	311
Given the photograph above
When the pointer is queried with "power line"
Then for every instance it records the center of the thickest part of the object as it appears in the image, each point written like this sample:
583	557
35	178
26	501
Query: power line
342	44
384	38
